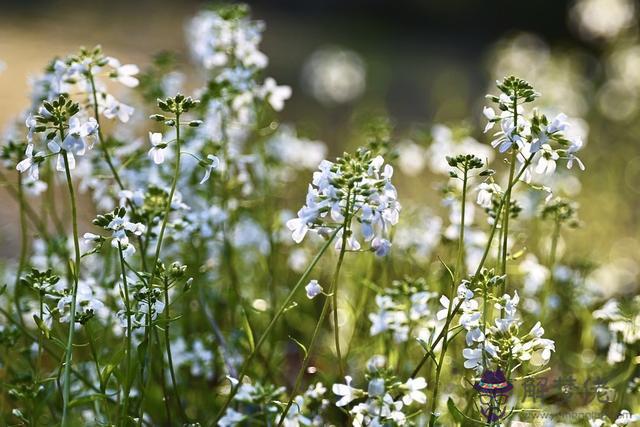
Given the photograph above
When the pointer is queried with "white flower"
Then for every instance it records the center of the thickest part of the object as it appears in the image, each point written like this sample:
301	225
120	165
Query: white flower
414	387
90	237
347	393
124	73
31	124
276	95
571	157
76	141
485	194
542	351
507	137
509	304
380	246
313	289
376	387
371	200
113	108
231	418
490	114
473	358
54	147
626	418
30	163
558	124
547	161
616	353
212	163
537	330
157	151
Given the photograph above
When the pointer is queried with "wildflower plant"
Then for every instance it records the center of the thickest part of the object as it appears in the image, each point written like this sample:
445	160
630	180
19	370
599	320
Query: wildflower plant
182	301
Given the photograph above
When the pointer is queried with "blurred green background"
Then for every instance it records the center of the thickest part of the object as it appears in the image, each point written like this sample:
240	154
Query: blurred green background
419	62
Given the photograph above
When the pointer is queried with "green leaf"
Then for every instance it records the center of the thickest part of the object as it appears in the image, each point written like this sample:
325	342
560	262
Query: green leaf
85	400
142	350
41	325
248	331
457	415
304	349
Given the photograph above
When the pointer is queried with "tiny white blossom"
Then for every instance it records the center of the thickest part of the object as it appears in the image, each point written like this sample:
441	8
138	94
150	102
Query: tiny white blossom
212	163
313	289
414	387
157	151
347	393
30	164
124	74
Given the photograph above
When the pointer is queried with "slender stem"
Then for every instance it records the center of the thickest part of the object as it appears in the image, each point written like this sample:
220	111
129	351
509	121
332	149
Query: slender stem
74	291
554	245
96	362
92	349
507	205
103	146
127	309
505	219
285	305
457	274
548	286
148	337
163	381
172	191
167	343
154	267
307	358
107	157
23	249
334	286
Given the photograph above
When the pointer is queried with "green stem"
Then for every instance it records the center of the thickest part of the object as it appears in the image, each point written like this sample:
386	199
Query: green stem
456	278
548	287
154	267
74	291
334	286
554	245
307	357
23	249
103	146
507	205
107	157
167	343
172	191
285	305
127	308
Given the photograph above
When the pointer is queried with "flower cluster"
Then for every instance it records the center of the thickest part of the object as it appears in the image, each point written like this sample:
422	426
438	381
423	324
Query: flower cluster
404	310
82	74
121	229
623	325
66	134
534	138
386	399
625	418
356	188
502	342
262	401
